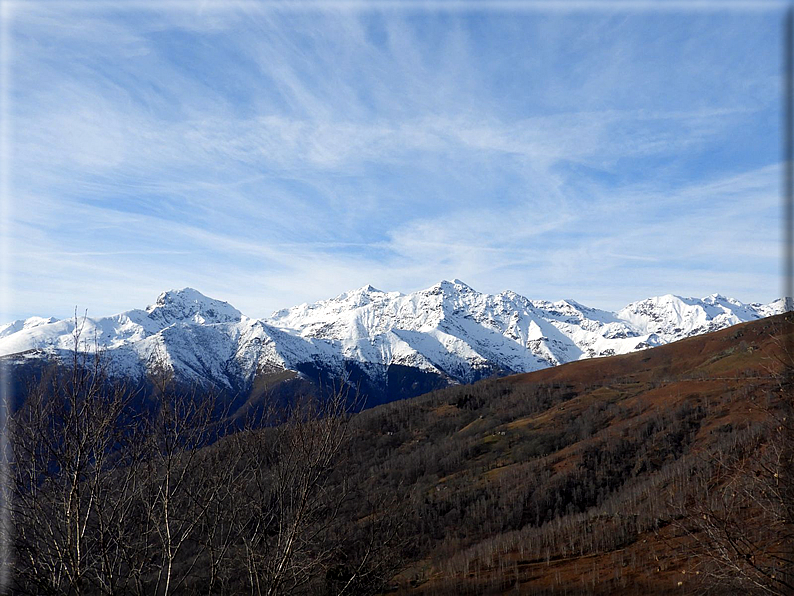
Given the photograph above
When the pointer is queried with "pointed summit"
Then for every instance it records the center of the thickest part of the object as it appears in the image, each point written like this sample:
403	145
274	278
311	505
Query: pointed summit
359	296
461	285
719	299
189	305
456	286
368	289
448	331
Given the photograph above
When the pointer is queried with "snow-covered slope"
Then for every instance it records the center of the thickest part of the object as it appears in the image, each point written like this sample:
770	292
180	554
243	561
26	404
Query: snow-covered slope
672	317
448	330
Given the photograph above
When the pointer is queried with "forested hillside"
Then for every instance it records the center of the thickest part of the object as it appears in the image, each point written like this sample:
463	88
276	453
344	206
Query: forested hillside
631	473
659	472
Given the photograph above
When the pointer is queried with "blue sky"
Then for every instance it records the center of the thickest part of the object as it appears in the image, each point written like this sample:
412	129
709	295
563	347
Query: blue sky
271	154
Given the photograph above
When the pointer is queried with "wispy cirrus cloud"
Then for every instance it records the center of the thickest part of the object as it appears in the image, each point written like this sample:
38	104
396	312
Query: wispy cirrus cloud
274	157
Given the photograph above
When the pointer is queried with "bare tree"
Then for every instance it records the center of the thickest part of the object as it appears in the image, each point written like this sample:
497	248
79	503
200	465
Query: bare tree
65	441
179	488
117	491
290	502
740	514
371	545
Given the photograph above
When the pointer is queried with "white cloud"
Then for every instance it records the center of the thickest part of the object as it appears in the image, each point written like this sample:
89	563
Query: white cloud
297	156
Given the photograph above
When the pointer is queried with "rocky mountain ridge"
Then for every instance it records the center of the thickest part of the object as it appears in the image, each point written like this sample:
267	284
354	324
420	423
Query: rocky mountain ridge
448	332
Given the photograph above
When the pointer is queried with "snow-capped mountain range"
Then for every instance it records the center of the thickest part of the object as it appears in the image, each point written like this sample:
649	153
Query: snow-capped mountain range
449	331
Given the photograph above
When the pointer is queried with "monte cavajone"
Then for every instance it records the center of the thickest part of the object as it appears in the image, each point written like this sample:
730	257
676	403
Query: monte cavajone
448	331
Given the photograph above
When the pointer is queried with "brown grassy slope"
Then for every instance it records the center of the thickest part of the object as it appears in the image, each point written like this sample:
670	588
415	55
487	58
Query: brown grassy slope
566	479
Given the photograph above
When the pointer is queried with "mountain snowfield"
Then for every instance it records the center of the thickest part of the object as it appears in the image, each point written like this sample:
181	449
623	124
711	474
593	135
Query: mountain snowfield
448	330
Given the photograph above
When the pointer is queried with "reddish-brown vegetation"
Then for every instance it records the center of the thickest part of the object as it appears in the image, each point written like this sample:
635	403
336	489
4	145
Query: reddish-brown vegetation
666	471
651	427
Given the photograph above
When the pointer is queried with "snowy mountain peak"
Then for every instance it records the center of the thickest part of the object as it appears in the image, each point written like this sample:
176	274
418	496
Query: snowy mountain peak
189	305
24	324
719	299
577	305
358	297
368	289
775	307
448	330
455	286
673	317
